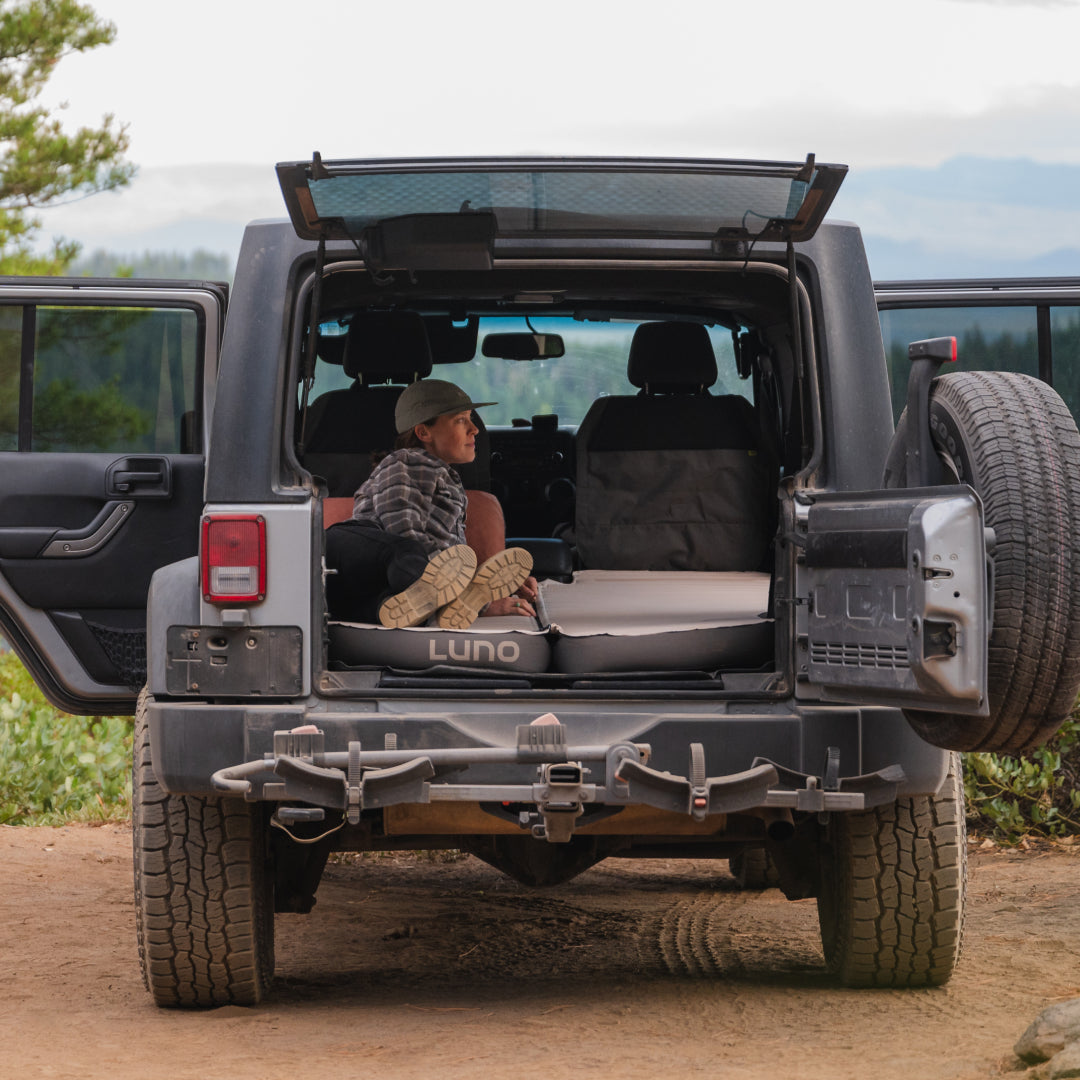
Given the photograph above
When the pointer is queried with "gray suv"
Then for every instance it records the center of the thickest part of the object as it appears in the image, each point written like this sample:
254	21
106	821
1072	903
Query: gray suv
768	619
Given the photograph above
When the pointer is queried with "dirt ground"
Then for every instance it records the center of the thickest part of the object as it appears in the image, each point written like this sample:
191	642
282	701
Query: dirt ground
414	966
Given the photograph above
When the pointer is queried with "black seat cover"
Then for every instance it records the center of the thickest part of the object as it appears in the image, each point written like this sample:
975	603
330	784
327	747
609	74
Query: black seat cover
673	478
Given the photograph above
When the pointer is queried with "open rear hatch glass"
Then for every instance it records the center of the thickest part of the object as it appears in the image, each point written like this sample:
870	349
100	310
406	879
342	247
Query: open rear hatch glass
496	198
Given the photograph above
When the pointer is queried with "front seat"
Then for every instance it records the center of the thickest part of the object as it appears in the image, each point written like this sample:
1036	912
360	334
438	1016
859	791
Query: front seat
673	478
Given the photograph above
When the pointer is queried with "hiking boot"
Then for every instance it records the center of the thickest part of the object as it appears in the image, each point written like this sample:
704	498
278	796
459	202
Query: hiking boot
444	578
497	577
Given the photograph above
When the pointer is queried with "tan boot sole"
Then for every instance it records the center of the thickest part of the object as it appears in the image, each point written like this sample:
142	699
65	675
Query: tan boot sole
497	577
444	578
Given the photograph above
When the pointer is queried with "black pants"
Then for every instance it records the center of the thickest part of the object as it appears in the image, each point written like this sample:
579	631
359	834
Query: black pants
371	565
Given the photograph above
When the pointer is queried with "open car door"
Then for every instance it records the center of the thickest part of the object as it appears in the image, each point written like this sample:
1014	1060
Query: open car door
104	400
892	599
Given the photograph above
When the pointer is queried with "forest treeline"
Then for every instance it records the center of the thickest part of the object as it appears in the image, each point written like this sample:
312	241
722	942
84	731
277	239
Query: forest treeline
199	265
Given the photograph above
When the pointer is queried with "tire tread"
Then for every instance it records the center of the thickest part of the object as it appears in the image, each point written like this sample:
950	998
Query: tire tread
203	905
891	907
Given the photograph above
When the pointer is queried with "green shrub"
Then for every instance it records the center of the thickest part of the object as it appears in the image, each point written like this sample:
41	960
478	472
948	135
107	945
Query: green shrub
55	767
1037	795
15	679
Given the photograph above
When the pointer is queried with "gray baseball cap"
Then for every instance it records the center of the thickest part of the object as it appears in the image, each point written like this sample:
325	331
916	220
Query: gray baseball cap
429	399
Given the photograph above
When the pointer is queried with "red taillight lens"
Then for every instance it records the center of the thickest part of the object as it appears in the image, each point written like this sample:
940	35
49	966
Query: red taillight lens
233	558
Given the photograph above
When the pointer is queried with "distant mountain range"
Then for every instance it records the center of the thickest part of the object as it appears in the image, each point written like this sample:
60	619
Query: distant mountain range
968	217
1010	181
892	260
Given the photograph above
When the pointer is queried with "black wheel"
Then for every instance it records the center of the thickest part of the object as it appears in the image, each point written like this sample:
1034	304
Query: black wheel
891	901
204	907
753	869
1012	439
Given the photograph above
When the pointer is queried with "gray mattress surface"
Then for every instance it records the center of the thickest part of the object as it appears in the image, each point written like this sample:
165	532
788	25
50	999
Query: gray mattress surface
625	620
604	620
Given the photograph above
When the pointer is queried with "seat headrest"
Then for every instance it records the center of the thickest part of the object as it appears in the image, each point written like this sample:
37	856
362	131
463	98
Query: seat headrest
387	346
671	356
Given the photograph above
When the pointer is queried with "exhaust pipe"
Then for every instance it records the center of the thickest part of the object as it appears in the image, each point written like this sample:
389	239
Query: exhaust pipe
779	825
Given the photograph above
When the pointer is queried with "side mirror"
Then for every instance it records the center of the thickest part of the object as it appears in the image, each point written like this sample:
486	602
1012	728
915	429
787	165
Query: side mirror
523	346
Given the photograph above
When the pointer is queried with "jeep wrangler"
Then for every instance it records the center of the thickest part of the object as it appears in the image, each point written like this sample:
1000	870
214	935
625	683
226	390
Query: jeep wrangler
767	623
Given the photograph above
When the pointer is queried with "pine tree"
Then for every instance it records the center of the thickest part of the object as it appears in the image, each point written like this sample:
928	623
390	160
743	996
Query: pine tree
40	163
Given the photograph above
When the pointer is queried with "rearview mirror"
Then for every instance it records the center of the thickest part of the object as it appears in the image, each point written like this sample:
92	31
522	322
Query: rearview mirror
523	346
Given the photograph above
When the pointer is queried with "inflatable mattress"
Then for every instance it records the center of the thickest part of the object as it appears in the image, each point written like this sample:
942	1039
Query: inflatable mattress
499	644
627	620
602	621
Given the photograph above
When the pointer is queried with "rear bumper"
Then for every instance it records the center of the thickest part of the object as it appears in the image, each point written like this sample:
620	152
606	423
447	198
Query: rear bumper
605	753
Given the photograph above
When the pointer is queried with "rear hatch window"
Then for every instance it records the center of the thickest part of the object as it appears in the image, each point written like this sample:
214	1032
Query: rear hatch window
567	197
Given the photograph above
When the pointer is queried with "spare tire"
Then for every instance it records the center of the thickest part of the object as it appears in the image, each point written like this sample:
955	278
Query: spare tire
1012	439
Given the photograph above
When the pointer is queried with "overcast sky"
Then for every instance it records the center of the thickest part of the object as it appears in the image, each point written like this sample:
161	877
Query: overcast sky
251	82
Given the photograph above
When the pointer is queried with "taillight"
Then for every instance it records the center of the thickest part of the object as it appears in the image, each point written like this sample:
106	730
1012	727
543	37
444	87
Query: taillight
233	558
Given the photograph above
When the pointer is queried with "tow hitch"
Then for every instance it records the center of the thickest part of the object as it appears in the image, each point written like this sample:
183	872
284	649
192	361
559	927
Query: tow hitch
559	798
300	770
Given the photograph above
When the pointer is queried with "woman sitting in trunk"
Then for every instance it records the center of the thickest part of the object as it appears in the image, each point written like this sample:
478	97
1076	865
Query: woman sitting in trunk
402	557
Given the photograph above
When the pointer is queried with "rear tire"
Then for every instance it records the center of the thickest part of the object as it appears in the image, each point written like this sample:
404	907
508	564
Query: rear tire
1012	439
893	883
204	906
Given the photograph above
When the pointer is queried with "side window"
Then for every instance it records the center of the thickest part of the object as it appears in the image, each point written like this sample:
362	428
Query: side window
109	379
988	339
329	370
727	378
1065	350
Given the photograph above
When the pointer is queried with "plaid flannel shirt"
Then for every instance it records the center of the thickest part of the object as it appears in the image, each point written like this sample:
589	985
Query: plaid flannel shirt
415	494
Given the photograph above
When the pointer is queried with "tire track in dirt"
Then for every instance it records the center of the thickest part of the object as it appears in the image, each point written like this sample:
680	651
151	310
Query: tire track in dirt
692	936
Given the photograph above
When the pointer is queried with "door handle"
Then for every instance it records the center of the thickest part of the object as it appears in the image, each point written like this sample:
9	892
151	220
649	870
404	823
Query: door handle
141	477
126	481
